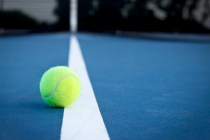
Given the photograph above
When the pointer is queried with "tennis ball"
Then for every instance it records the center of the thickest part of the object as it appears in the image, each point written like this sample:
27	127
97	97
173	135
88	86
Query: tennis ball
59	86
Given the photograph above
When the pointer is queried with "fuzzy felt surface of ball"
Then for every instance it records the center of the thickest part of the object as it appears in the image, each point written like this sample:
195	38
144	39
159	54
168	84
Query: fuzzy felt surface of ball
60	86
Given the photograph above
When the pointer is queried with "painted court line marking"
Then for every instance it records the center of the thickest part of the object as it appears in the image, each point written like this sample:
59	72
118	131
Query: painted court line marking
82	120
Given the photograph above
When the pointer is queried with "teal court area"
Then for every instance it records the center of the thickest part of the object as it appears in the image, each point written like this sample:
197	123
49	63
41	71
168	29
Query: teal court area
144	88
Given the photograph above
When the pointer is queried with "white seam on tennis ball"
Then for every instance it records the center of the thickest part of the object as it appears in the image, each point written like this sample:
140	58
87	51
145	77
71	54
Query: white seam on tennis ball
62	78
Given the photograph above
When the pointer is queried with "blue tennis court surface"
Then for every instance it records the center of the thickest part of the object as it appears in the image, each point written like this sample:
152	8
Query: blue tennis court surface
145	89
23	59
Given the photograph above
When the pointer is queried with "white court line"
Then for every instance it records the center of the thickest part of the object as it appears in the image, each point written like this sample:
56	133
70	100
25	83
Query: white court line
82	120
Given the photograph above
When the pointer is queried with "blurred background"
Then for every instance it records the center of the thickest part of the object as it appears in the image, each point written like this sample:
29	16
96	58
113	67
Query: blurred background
171	16
34	15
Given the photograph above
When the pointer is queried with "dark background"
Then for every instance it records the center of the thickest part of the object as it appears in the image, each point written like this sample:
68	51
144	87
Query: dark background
182	16
11	20
189	16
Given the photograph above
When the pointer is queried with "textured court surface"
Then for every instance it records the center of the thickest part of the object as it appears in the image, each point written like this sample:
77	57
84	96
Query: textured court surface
23	60
145	89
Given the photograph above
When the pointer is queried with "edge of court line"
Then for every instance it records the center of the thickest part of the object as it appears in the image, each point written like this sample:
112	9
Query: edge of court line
83	119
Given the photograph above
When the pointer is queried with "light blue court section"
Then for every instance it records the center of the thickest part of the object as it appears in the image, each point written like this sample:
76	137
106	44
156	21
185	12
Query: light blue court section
23	60
150	89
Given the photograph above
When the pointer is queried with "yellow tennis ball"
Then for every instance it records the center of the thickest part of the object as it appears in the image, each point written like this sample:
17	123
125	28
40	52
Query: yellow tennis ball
59	86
